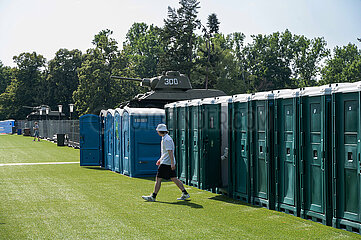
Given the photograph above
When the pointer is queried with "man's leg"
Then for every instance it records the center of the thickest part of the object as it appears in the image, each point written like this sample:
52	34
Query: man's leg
178	183
158	183
151	198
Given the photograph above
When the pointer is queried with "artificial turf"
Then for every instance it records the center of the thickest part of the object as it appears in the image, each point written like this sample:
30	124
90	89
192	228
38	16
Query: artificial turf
73	202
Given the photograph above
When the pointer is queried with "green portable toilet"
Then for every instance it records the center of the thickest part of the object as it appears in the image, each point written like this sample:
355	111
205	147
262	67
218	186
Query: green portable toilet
171	117
239	147
224	101
194	108
182	140
286	151
346	156
262	179
210	145
315	154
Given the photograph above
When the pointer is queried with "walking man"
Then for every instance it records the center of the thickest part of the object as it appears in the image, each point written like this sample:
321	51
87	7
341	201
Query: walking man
166	163
36	131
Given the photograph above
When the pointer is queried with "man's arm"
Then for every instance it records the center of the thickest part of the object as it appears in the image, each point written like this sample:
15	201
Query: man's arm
171	156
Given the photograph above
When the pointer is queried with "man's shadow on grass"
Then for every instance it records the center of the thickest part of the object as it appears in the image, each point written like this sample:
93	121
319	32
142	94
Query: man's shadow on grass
184	203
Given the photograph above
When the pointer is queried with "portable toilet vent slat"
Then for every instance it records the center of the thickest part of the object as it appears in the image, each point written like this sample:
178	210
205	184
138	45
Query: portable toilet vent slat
194	108
182	124
109	139
118	163
102	116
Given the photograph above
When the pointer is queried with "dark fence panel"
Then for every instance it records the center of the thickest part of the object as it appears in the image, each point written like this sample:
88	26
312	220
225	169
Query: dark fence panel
48	129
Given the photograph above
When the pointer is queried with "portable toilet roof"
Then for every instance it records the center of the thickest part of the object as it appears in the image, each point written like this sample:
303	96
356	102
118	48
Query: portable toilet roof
209	100
346	87
286	93
119	110
223	99
262	95
103	113
183	103
144	111
241	97
316	91
194	102
111	111
170	105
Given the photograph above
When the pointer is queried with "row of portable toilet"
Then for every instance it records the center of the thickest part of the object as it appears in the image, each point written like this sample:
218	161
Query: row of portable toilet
292	150
199	130
123	140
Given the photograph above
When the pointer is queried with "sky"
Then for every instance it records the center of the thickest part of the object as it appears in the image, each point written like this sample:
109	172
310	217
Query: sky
45	26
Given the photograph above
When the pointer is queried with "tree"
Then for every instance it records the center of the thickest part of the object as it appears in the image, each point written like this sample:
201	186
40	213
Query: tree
308	55
283	60
96	89
62	78
213	23
179	37
26	87
5	77
142	49
344	66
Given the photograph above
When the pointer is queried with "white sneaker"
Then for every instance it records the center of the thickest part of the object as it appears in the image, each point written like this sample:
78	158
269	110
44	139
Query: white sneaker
149	198
184	197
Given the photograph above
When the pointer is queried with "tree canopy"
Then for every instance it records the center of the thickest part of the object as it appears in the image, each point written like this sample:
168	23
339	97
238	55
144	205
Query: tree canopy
210	58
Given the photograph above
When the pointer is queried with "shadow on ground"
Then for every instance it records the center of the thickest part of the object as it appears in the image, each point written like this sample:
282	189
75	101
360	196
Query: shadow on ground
150	179
188	203
226	199
95	168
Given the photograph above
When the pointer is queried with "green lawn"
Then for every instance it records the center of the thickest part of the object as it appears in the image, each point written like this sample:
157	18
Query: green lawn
73	202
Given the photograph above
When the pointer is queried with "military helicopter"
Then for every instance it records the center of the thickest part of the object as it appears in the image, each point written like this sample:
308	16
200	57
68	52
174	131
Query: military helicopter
170	87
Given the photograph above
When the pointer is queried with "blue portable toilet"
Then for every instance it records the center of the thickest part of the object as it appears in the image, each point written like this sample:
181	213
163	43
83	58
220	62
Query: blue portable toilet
6	127
118	164
141	142
90	140
109	140
102	115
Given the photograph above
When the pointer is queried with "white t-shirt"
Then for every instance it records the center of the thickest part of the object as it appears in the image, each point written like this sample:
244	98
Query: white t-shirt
166	144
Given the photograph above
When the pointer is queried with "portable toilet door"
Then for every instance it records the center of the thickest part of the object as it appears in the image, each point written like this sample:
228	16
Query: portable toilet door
239	147
109	141
117	140
90	140
210	157
286	151
171	117
182	140
224	130
125	142
193	146
262	152
315	156
346	156
144	141
102	116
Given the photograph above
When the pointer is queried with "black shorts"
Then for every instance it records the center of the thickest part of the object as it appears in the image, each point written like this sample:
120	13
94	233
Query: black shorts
166	172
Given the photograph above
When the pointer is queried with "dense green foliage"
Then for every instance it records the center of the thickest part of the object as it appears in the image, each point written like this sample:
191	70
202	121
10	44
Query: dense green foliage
72	202
211	60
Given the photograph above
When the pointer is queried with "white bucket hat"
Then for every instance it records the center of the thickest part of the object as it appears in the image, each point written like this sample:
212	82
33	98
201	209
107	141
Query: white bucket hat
161	128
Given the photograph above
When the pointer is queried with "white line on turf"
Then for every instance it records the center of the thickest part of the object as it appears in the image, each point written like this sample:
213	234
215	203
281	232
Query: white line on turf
43	163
